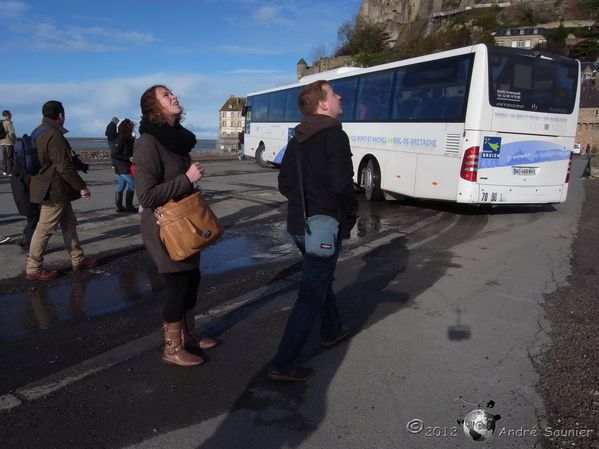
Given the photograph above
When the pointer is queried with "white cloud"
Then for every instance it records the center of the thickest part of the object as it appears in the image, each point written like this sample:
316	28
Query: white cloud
89	105
13	8
239	49
251	71
271	14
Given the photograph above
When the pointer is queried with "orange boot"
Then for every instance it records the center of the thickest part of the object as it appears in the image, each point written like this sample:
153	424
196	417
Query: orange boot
190	338
174	351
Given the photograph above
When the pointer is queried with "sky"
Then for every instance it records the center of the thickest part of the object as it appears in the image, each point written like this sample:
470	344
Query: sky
98	57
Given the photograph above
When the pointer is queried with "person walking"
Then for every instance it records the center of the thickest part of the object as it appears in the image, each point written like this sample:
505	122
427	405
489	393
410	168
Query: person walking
586	173
323	150
8	143
55	185
164	171
240	139
111	132
121	161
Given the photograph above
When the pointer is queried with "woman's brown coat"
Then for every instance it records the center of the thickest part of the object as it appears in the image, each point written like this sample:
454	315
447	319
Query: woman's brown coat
160	177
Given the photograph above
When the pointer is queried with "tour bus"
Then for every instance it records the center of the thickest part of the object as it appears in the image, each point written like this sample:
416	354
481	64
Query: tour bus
480	124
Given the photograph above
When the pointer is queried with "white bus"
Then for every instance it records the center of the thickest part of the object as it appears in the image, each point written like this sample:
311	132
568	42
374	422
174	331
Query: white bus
480	125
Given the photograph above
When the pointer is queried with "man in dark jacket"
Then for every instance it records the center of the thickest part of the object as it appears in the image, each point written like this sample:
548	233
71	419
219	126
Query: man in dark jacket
111	132
20	191
327	176
55	185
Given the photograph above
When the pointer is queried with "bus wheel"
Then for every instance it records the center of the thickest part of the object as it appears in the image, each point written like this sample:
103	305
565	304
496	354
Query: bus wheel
372	181
260	156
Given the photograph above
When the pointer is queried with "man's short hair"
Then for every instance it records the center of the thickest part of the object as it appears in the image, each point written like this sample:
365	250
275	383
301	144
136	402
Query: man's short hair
6	113
52	109
310	96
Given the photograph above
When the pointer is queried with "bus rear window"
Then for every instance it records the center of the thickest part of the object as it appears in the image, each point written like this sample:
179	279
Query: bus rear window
530	82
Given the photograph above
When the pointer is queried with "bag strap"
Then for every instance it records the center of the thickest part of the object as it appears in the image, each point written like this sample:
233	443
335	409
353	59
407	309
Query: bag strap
301	185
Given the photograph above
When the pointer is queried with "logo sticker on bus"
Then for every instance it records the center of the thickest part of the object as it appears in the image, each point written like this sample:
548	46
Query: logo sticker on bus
491	147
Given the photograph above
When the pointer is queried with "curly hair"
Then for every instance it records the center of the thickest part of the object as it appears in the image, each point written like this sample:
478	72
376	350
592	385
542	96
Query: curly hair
151	110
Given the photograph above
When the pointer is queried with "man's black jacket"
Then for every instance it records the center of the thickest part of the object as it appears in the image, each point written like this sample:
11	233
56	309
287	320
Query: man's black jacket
327	174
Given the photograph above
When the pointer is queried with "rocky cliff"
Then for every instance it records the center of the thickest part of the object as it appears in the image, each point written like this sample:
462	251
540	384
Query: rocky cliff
401	18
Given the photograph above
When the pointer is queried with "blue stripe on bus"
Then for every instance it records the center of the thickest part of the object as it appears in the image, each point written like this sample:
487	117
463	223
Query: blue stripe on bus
522	152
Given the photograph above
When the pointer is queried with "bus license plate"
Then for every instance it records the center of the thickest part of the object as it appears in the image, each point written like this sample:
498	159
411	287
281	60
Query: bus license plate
524	171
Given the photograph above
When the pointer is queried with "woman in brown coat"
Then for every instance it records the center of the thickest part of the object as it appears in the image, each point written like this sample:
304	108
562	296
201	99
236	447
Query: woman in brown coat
163	171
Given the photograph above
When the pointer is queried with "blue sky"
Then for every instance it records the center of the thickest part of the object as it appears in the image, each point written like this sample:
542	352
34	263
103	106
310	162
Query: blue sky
98	57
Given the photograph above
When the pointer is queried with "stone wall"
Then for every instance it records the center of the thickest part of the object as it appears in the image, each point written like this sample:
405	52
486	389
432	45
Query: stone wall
588	127
324	64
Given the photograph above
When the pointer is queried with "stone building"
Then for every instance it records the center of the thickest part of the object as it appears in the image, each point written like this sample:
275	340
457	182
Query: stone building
520	37
588	114
323	65
231	122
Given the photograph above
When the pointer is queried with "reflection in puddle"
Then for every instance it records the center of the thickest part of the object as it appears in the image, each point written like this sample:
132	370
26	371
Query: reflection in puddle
42	307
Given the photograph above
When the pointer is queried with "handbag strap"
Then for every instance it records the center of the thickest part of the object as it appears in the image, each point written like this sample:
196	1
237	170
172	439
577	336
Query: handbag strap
301	186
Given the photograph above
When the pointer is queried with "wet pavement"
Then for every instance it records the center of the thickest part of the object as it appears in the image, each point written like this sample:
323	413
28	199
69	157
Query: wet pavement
242	194
444	303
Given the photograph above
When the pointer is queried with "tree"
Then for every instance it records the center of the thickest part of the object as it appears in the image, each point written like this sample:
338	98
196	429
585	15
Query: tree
361	37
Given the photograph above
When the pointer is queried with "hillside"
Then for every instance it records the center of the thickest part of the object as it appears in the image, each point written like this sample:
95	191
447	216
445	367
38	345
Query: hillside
405	20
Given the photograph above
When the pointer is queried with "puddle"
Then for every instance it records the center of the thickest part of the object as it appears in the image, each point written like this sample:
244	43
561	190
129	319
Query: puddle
42	306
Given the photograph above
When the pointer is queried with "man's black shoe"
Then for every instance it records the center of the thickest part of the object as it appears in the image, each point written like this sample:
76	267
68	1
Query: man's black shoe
343	334
298	374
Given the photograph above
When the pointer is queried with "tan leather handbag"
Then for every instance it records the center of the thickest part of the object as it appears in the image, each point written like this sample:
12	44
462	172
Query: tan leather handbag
187	226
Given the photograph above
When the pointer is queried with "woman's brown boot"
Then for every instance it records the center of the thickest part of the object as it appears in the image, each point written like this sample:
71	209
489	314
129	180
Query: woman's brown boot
190	338
174	352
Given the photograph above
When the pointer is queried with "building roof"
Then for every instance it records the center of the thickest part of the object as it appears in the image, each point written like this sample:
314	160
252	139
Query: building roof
233	103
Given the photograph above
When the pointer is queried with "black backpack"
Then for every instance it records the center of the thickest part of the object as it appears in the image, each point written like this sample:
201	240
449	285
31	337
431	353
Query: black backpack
26	157
2	130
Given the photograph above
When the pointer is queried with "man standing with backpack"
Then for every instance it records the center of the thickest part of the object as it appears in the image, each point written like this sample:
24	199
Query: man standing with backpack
7	141
54	186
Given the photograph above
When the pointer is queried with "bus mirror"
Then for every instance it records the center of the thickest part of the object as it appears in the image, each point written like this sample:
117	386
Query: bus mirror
244	110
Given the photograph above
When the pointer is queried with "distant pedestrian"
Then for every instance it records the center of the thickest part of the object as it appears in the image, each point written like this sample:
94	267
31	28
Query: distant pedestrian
164	171
121	161
586	173
240	139
323	149
54	187
8	143
111	132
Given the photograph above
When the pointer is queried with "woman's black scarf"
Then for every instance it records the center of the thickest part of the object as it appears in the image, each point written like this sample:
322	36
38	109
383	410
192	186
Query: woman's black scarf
177	139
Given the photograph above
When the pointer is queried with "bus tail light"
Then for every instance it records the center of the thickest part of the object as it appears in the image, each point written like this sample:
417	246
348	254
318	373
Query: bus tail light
469	168
569	169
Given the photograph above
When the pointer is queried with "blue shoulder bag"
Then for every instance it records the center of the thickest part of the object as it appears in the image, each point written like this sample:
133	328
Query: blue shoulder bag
321	230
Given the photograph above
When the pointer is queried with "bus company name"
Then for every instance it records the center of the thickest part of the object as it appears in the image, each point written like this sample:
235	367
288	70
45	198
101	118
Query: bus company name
396	141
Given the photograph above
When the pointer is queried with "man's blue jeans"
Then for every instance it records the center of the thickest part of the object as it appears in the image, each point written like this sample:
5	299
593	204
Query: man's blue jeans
315	296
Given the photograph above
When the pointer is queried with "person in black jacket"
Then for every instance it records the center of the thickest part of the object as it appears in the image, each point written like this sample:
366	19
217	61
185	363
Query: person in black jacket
121	155
111	132
327	174
19	183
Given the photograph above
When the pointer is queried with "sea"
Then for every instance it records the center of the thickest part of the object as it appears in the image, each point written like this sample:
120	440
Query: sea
98	144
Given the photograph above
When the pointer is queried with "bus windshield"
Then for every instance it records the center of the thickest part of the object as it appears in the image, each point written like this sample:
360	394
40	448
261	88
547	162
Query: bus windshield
532	82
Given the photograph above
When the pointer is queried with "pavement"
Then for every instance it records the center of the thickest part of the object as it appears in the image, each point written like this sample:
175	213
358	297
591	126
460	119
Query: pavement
457	344
101	230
